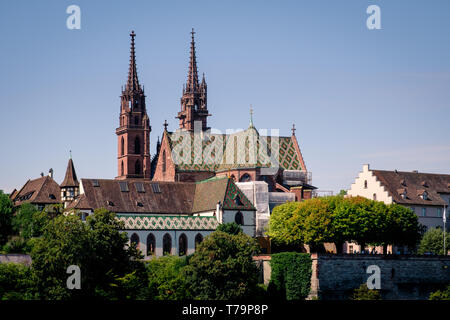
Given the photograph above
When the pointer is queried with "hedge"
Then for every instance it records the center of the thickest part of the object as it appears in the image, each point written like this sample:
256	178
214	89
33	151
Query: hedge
291	275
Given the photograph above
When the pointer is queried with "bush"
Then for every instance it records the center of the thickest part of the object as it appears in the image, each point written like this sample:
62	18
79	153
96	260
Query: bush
291	275
16	282
441	294
230	228
6	209
364	293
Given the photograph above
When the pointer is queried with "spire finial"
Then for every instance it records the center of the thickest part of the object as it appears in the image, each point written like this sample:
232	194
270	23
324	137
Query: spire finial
133	82
251	116
293	129
165	125
192	82
70	154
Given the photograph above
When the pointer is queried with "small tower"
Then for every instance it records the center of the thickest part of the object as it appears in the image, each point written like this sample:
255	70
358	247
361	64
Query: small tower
70	187
194	99
134	128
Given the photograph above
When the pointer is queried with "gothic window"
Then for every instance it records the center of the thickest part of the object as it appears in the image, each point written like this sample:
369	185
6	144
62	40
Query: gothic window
198	240
245	178
137	146
151	244
134	240
121	168
239	218
164	161
122	147
182	245
167	244
137	167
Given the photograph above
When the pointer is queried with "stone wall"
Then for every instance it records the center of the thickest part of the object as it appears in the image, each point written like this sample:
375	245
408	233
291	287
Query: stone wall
402	277
15	258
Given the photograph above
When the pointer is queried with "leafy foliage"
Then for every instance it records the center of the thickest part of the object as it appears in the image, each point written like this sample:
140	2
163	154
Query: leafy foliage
6	214
16	282
291	275
231	228
441	294
97	247
364	293
165	277
222	267
433	241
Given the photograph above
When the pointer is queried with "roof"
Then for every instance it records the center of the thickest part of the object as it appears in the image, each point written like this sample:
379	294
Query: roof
43	190
159	197
289	155
413	184
70	180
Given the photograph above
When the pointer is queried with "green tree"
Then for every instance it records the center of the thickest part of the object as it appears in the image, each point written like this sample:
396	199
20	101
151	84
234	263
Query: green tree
364	293
316	218
433	241
166	280
6	214
222	267
97	247
17	282
283	230
231	228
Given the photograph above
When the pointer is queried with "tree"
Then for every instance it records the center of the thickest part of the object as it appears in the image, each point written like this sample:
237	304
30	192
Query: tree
433	241
282	229
166	280
402	227
6	214
231	228
98	248
316	218
222	267
441	294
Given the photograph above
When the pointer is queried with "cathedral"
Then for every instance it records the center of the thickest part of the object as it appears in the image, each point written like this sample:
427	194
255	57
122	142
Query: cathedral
195	180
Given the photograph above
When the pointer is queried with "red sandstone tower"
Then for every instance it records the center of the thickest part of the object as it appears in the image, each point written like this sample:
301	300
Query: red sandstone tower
134	131
193	102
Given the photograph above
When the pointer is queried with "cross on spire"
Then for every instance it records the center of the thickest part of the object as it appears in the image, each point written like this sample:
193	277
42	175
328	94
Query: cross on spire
293	129
165	125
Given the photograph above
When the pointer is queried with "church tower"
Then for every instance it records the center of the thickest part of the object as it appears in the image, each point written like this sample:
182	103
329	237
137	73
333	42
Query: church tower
133	132
70	187
193	102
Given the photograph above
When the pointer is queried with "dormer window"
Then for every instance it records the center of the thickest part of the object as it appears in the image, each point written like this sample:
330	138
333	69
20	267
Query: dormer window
424	195
237	201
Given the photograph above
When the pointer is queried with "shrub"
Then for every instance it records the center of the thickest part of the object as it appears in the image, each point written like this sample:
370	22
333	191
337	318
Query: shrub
441	294
433	242
364	293
291	275
16	282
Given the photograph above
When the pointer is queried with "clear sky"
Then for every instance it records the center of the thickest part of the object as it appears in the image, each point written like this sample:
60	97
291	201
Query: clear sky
356	95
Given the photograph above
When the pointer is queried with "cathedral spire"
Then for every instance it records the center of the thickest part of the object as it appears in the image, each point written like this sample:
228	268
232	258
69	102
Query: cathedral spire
192	81
133	81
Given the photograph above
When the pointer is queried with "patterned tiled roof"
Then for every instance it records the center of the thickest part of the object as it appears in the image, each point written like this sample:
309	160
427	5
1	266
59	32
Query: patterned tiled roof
217	145
150	222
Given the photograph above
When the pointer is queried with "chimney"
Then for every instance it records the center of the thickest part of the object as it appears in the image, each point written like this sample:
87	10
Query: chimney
50	173
42	174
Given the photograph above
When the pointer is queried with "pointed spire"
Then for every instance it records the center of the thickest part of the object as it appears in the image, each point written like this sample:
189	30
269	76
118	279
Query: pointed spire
251	116
133	82
70	180
192	81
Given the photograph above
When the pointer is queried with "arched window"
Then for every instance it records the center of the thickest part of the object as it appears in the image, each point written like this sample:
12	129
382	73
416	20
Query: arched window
121	168
239	218
182	245
164	161
167	244
134	240
198	240
151	244
137	167
365	184
122	147
245	178
137	146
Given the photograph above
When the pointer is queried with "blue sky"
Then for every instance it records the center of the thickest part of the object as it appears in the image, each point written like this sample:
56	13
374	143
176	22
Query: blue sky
356	95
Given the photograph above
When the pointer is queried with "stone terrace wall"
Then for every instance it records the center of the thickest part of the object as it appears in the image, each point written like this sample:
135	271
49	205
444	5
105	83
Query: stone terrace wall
402	277
16	258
